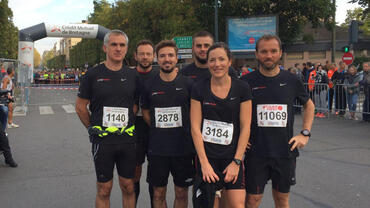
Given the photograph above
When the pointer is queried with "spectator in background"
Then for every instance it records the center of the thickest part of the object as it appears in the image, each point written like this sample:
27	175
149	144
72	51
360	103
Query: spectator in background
352	83
331	70
295	71
7	84
246	69
339	89
320	90
366	83
306	71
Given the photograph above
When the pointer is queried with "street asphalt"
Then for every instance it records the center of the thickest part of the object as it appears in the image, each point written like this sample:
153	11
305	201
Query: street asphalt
56	169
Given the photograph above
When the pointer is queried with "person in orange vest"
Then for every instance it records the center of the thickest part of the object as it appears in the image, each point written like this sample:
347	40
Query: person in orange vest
331	70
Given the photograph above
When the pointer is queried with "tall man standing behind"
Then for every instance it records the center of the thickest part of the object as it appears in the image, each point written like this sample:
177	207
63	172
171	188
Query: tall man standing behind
144	55
273	151
198	70
111	91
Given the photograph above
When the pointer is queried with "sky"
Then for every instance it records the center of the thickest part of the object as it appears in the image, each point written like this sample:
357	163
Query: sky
27	13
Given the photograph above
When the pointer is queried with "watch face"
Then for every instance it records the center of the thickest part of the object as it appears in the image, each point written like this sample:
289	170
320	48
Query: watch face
305	132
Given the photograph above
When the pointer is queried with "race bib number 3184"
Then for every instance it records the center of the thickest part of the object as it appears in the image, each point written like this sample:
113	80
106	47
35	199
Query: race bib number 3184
115	116
217	132
272	115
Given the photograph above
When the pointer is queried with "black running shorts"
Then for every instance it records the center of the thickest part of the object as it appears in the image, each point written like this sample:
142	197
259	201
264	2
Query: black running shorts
180	167
107	155
260	170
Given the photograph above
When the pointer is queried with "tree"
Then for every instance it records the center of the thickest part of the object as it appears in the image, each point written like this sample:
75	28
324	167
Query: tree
36	58
8	32
49	55
357	14
365	4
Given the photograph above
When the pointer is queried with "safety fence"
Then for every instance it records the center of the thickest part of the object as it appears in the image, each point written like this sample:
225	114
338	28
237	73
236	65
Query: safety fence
350	101
52	94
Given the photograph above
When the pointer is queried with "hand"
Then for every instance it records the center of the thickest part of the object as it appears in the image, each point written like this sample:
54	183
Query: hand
95	130
299	141
209	174
232	172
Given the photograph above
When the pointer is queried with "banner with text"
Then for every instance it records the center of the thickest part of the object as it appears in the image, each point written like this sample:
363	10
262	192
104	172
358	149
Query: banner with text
72	30
243	33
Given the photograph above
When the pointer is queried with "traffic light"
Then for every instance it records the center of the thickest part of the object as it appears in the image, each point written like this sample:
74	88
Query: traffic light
354	31
345	49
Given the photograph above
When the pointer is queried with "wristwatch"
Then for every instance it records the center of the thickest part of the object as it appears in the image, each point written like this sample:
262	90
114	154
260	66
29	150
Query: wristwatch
306	132
237	161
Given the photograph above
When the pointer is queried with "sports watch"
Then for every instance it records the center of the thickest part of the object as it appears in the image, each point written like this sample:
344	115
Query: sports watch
237	161
306	132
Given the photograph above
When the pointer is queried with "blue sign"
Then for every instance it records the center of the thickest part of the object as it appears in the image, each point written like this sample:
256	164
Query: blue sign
243	33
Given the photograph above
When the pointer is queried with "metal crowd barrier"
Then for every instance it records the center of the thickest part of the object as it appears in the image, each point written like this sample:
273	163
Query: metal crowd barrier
339	100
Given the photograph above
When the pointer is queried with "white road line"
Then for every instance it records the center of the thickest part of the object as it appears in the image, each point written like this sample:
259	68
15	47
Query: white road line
45	110
69	108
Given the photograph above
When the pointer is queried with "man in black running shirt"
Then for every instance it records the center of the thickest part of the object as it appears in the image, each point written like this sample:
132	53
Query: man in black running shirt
144	55
111	92
273	151
198	70
165	104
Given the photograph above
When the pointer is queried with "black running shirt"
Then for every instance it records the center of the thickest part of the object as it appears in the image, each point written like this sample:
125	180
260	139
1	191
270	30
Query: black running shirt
221	117
196	73
169	104
272	113
112	95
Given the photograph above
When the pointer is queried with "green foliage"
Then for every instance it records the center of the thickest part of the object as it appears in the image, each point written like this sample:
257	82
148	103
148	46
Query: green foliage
165	19
359	61
365	4
357	14
8	32
57	62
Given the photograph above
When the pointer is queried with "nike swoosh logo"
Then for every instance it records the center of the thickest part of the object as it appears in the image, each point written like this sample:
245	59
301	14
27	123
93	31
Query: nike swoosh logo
122	80
178	88
282	84
233	98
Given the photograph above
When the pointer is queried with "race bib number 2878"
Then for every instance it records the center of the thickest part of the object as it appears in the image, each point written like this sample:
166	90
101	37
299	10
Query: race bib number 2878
272	115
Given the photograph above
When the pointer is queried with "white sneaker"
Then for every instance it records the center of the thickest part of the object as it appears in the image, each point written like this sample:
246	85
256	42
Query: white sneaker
9	126
13	125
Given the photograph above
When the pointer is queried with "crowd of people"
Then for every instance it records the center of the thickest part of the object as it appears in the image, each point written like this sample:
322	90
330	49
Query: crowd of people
58	76
225	136
336	89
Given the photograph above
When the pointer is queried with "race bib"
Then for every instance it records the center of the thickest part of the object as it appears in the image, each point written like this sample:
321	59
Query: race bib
272	115
217	132
168	117
115	116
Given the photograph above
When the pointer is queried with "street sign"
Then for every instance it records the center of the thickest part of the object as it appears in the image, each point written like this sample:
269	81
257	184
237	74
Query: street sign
184	41
347	58
185	50
184	56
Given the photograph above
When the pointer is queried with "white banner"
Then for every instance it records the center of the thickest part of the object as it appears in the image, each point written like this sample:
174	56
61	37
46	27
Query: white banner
72	30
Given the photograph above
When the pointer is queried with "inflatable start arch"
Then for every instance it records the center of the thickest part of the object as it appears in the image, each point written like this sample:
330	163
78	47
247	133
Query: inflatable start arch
29	35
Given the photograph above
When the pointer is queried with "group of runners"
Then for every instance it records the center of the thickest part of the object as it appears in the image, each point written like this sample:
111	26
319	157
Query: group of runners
224	135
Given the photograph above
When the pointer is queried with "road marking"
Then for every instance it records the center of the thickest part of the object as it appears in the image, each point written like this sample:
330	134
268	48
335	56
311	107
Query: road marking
45	110
69	108
20	111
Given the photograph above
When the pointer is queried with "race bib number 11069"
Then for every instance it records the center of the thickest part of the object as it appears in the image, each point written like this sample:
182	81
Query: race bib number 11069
272	115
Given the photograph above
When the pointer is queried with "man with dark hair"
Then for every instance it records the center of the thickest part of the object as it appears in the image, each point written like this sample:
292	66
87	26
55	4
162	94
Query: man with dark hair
7	84
198	70
273	148
165	105
306	71
111	92
339	89
144	55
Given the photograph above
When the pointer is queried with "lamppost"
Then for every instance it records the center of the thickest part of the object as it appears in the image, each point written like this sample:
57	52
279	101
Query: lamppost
216	5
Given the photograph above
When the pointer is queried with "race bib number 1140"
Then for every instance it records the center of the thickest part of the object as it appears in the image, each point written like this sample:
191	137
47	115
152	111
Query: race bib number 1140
115	116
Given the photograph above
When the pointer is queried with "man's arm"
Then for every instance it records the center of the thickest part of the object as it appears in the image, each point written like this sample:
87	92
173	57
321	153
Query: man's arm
5	83
308	116
82	111
146	115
